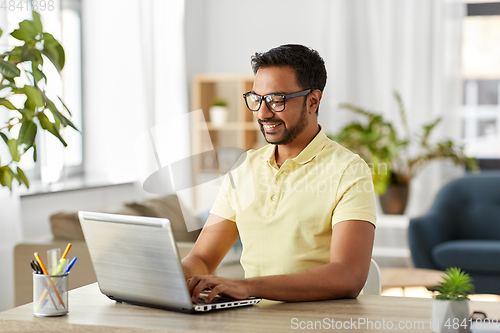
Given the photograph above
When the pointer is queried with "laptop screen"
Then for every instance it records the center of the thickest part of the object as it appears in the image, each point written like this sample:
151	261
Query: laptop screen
135	258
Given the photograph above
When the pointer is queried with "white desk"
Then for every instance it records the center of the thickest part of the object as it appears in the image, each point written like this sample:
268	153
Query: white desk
90	311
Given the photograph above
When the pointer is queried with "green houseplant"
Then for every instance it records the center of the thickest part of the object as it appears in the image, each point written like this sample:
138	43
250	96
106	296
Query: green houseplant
23	96
450	307
219	102
387	153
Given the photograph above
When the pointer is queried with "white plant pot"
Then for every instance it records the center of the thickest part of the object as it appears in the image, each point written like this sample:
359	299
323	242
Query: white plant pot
218	115
450	316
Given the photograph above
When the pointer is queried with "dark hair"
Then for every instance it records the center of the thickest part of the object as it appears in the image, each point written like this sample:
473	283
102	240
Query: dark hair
309	67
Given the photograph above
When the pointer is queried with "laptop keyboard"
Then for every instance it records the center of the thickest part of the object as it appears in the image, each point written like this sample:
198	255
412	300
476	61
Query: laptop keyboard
217	299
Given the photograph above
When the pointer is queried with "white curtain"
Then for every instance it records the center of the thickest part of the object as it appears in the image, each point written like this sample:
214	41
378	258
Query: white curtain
413	46
10	212
166	139
134	80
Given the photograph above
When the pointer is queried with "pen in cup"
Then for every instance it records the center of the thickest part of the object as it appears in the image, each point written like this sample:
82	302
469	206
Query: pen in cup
53	256
66	271
49	280
37	270
62	263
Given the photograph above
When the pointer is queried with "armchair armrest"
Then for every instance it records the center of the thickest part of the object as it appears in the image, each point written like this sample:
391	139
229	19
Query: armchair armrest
424	233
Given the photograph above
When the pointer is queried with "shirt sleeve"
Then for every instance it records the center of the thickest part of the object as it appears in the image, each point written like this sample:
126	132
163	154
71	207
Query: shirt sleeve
355	194
222	206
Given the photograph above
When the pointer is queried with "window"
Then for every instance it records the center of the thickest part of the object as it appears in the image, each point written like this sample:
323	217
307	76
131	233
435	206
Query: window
54	161
481	74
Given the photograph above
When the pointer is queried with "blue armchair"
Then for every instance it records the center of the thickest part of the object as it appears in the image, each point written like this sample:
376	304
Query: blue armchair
462	229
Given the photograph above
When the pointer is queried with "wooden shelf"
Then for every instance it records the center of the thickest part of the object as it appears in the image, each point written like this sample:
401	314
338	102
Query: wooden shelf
240	130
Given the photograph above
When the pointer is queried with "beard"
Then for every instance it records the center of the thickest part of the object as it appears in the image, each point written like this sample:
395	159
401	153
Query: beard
289	134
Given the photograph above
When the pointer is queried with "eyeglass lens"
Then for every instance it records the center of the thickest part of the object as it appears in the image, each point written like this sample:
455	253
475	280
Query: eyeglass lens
273	102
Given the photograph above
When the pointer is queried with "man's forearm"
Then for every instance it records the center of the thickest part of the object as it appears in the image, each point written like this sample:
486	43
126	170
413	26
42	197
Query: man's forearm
314	284
193	265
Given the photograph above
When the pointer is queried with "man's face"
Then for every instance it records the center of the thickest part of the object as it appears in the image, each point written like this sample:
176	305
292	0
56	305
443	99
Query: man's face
280	128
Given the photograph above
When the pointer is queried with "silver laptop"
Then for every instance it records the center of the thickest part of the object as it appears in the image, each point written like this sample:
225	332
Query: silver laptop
136	261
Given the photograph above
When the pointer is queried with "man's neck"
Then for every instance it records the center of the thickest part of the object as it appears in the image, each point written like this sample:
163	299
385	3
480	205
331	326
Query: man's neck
293	149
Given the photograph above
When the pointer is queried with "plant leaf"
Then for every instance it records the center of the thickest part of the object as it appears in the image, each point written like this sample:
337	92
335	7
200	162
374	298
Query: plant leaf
29	53
12	143
6	177
402	113
27	135
4	137
27	113
30	28
67	109
51	127
58	115
428	129
38	75
34	97
37	22
8	69
23	35
35	153
5	102
53	50
22	177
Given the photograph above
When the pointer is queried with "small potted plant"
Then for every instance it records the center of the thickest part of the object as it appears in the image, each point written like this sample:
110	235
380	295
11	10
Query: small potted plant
450	308
218	112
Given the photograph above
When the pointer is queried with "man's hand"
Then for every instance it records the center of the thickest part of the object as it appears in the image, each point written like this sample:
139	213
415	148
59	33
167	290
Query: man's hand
229	287
344	276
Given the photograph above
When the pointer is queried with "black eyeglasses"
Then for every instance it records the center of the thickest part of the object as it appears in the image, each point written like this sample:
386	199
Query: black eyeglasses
274	102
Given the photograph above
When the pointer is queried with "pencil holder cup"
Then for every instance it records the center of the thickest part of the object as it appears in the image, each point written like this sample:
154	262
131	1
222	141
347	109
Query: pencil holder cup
50	295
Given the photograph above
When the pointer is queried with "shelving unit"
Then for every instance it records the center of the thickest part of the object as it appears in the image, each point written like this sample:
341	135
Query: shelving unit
241	130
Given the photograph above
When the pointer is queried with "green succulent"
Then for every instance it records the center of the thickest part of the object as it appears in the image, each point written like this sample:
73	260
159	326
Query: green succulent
457	285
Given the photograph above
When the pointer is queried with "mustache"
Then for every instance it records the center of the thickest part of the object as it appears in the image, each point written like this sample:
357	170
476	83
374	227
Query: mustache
270	121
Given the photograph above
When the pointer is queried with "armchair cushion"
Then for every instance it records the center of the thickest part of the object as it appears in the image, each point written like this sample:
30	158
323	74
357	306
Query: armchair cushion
65	226
473	256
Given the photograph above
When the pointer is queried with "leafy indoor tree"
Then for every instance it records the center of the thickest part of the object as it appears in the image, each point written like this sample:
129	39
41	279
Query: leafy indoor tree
22	90
379	144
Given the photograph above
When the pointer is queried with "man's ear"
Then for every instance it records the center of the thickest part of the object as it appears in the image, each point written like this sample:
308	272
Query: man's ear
313	100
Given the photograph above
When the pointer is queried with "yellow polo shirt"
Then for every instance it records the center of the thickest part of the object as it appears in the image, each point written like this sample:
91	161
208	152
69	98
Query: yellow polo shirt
285	215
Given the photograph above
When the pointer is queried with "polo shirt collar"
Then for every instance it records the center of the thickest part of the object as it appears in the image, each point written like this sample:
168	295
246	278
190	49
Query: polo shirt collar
306	155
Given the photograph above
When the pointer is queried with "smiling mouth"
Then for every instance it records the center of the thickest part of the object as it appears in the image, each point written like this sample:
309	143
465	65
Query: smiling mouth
270	127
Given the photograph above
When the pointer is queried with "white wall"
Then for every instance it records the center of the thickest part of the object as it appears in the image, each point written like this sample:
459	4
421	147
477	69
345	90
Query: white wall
235	30
10	233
